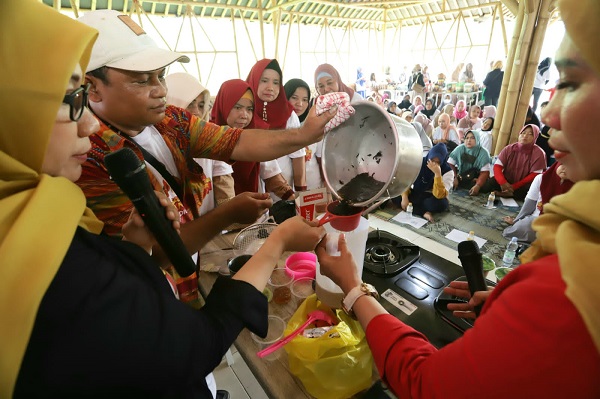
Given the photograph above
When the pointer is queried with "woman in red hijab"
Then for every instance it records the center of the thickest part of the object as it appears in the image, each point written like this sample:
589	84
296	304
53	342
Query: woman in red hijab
234	106
273	111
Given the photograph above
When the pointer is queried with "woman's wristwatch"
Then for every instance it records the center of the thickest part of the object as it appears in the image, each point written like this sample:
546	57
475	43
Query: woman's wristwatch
354	294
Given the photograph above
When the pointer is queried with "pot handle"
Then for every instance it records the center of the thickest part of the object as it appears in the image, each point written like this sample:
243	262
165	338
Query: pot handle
375	205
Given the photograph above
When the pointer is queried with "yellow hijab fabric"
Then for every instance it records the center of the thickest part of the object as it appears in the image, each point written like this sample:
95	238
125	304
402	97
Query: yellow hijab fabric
570	227
39	214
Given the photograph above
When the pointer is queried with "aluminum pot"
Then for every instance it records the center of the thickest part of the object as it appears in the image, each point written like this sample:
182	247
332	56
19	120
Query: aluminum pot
370	141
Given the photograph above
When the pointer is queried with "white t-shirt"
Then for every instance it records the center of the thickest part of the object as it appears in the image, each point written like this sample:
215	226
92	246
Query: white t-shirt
285	162
267	170
534	193
313	173
485	139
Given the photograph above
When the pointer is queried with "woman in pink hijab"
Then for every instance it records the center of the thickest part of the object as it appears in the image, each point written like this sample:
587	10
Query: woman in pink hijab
517	165
460	111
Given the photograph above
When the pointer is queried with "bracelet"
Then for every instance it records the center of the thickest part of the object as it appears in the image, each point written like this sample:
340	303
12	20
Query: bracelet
287	194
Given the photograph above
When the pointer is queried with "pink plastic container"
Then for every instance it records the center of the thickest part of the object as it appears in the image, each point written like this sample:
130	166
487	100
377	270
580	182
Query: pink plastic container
301	265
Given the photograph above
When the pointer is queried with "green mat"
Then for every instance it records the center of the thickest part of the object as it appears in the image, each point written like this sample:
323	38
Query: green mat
466	213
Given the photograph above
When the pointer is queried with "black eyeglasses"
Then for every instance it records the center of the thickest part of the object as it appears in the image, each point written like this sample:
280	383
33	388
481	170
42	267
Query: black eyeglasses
77	101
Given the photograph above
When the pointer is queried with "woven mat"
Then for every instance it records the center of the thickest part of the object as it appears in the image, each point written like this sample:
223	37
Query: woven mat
466	213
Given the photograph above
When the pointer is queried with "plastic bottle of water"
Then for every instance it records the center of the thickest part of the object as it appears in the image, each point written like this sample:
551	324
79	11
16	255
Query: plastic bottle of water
511	251
471	236
409	209
491	199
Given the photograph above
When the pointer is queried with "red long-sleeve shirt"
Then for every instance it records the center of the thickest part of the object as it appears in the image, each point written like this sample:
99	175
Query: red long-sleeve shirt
499	176
528	342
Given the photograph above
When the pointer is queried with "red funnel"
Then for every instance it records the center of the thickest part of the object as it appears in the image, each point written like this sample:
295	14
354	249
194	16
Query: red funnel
341	222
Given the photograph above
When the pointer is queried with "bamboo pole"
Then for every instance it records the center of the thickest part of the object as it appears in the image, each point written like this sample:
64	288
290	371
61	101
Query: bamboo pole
507	73
510	121
531	68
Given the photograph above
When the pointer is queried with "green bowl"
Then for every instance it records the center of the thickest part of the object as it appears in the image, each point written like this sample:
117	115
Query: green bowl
488	263
501	272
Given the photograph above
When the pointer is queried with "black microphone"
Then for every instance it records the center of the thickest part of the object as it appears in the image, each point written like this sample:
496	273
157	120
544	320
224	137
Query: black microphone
130	174
472	263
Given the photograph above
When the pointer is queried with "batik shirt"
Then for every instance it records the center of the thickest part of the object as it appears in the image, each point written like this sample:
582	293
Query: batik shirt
186	136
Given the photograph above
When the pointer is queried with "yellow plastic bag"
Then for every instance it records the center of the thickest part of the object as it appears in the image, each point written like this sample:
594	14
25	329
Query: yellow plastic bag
336	365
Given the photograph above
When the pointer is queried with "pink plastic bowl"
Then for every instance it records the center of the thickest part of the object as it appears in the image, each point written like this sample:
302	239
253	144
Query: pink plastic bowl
301	264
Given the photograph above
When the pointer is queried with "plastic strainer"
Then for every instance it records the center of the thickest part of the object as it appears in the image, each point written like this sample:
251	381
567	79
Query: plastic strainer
251	238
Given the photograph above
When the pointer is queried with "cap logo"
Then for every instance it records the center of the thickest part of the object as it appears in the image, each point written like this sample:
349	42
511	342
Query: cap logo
135	28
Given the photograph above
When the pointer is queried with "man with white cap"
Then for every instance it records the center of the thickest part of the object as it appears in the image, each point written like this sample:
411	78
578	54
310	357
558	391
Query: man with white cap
128	96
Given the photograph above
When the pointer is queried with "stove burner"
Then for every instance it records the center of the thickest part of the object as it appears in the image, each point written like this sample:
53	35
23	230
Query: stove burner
382	254
387	255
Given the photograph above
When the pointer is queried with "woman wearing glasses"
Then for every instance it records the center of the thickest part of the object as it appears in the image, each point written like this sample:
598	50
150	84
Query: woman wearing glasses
84	314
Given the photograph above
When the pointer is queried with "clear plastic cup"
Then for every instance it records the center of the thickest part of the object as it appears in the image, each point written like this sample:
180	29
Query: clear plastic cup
302	288
279	284
274	334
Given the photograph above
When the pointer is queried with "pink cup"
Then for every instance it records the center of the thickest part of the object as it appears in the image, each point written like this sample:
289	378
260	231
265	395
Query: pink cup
301	265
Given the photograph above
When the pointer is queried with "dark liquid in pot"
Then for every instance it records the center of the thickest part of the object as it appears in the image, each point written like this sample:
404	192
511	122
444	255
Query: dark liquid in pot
361	188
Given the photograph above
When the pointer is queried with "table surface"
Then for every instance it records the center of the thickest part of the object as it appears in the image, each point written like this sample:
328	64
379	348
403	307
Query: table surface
273	375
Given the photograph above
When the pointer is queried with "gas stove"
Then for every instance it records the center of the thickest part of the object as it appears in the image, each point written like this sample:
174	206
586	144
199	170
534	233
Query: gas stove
410	281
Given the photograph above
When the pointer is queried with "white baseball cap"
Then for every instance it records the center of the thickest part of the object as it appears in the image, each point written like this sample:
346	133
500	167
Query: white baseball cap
123	44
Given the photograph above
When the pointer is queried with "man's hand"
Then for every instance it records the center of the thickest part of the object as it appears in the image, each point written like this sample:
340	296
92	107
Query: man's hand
247	207
314	126
135	230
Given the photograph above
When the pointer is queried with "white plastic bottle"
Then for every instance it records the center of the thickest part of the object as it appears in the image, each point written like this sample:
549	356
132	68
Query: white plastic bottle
511	251
409	209
471	236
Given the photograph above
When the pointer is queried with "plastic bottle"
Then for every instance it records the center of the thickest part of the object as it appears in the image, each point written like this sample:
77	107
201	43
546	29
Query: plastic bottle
511	251
491	199
409	209
471	236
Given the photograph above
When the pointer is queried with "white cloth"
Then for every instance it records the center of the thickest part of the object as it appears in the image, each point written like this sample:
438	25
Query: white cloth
344	111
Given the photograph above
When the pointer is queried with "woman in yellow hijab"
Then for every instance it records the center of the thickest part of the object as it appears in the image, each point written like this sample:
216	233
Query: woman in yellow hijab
538	334
80	313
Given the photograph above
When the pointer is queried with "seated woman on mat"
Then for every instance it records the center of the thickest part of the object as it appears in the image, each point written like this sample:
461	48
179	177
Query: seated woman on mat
471	164
446	133
554	181
517	165
429	193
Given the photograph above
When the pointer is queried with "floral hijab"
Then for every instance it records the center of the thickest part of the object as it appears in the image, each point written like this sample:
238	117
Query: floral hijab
36	209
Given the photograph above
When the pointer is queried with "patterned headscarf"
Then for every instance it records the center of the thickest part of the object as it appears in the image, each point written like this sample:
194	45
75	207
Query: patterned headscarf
37	210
